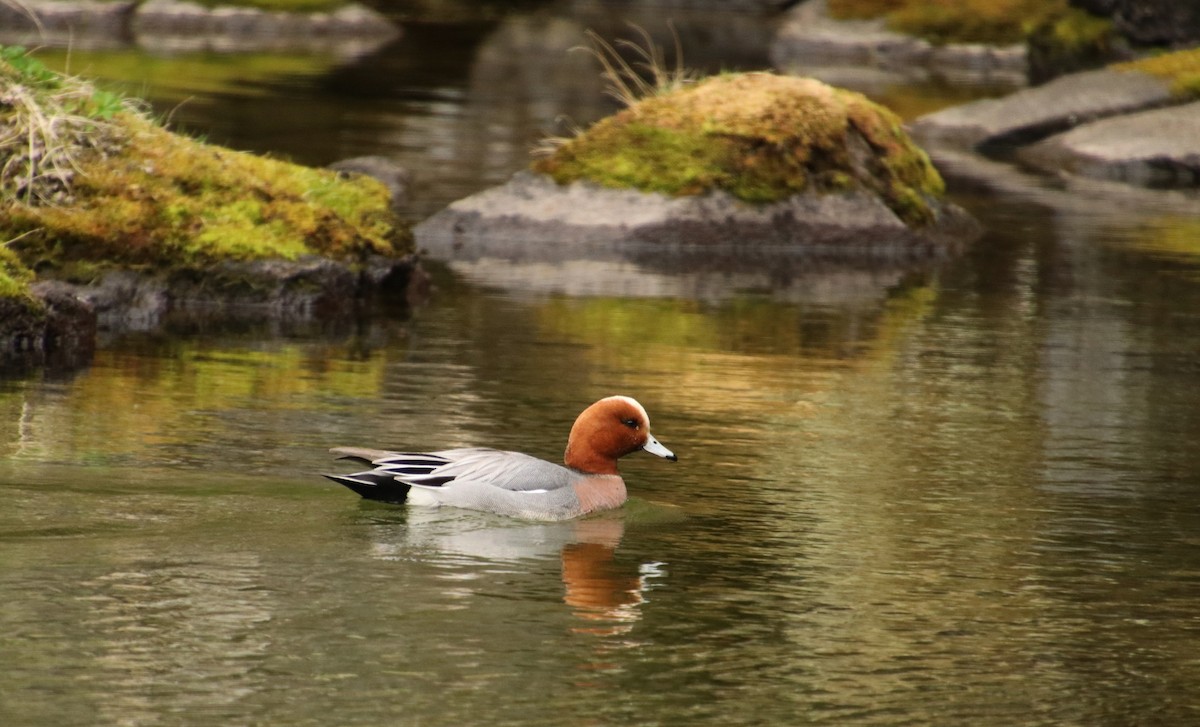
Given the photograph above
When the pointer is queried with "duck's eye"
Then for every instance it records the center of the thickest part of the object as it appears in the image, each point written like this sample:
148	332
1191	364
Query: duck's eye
631	423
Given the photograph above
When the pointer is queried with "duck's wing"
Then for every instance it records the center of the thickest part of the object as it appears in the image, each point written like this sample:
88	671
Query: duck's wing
395	472
511	471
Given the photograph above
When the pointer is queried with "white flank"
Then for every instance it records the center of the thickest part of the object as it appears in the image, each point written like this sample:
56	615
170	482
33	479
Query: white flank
422	496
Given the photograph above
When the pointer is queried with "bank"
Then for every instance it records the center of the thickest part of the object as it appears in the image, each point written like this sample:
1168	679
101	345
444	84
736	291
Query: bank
101	204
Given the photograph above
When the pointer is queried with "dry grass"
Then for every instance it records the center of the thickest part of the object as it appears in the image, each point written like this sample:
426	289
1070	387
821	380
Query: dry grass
647	75
48	123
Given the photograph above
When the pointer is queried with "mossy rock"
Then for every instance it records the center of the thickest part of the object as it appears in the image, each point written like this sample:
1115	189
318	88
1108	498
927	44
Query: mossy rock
1180	69
161	200
761	138
91	187
90	181
992	22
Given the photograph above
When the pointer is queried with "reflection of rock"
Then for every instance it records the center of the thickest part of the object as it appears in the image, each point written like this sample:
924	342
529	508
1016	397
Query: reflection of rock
1077	202
797	281
534	234
809	35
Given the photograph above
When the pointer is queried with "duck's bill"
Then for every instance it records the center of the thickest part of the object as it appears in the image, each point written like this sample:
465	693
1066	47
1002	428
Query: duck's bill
653	447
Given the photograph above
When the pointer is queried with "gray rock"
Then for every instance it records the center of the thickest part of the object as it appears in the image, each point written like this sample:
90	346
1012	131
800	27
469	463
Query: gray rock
304	289
534	236
66	16
60	331
1035	113
531	217
808	36
393	176
1150	22
178	25
1157	148
81	24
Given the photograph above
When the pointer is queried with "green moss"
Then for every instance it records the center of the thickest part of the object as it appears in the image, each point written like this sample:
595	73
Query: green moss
757	136
130	193
1180	69
14	276
1076	31
996	22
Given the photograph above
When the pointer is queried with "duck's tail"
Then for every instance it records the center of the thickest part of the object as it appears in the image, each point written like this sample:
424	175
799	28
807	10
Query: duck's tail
373	485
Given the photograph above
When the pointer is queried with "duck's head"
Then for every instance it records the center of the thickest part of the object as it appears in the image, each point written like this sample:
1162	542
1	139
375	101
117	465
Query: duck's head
608	430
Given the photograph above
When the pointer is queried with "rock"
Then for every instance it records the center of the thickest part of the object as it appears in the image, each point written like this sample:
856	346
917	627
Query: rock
125	301
393	176
534	236
77	24
809	36
178	25
62	17
70	325
1150	22
276	290
753	173
1157	148
531	218
1035	113
56	328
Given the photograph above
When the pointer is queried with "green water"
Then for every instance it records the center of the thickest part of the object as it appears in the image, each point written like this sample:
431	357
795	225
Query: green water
972	502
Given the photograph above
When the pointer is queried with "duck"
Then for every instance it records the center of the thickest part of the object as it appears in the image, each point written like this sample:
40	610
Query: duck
513	483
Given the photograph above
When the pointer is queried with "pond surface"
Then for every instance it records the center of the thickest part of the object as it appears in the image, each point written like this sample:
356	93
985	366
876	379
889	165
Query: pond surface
969	494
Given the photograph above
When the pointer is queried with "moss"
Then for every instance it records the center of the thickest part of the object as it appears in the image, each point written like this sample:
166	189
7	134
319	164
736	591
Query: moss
1180	69
757	136
14	276
997	22
131	193
1076	31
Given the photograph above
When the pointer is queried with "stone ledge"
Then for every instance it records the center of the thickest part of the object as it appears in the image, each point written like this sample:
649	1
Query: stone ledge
177	25
532	218
1156	148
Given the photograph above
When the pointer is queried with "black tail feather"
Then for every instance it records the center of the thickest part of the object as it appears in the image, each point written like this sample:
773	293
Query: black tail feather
373	485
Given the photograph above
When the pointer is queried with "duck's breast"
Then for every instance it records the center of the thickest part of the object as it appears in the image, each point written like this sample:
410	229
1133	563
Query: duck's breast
599	492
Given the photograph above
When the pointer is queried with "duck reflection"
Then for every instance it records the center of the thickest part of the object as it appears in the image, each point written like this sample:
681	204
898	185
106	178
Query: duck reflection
604	594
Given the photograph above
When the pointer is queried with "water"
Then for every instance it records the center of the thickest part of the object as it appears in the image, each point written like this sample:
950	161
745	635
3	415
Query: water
968	495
